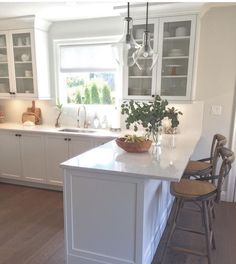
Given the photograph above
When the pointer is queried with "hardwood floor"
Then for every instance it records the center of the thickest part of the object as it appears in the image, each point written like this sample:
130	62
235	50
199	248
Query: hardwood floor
31	230
225	234
31	226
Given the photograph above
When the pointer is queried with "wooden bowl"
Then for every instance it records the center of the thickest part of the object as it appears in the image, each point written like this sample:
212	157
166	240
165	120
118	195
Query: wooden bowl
134	147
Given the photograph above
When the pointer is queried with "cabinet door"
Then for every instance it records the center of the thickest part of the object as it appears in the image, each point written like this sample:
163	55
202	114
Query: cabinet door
33	158
176	50
10	159
100	141
23	58
140	84
5	73
56	149
79	145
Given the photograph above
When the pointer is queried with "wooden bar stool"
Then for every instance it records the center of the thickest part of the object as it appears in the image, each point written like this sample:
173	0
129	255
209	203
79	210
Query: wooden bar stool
205	167
203	192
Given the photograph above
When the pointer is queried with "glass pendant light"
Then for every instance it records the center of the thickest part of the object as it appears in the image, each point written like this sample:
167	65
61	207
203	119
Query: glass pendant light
145	51
128	38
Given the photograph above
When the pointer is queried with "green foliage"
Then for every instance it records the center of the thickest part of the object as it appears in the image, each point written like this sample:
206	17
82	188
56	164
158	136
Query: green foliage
106	95
74	82
78	99
86	95
94	91
149	115
94	94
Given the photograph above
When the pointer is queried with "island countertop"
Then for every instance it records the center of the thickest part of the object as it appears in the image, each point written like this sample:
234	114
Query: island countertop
165	162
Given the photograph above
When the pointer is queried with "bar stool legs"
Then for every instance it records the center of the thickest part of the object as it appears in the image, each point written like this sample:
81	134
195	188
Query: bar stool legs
207	222
208	232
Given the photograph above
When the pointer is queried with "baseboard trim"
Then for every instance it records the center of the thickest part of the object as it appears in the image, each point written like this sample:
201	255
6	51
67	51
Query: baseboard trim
32	184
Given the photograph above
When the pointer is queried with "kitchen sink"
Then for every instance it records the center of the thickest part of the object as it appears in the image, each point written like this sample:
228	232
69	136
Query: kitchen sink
75	130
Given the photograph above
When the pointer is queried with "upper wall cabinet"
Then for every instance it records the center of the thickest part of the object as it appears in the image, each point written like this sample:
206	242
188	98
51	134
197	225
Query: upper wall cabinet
140	83
24	63
175	65
173	38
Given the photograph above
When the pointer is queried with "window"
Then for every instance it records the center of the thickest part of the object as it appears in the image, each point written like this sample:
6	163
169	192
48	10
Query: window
88	73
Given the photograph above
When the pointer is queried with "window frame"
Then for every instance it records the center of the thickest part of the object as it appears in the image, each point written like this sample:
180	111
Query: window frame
60	93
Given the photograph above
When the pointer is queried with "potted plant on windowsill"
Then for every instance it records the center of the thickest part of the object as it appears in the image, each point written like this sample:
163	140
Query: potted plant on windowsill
149	115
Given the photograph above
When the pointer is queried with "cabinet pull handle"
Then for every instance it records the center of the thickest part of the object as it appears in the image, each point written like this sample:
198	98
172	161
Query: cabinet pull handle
18	135
12	93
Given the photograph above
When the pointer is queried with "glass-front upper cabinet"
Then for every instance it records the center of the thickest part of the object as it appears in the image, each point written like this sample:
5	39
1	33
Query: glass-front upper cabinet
22	55
175	66
139	83
4	64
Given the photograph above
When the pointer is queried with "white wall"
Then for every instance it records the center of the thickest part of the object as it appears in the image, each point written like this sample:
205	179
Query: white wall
216	72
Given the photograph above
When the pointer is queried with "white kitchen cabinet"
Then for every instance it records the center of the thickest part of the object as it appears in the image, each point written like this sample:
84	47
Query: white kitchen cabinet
176	50
140	84
60	148
32	156
36	157
10	157
22	156
173	38
24	64
56	150
5	68
78	145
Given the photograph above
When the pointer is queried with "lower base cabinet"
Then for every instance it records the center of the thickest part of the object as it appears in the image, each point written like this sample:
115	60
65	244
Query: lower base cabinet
10	158
36	157
59	149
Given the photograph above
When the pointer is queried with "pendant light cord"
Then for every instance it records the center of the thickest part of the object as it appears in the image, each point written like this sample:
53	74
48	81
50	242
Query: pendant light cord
147	18
128	20
146	33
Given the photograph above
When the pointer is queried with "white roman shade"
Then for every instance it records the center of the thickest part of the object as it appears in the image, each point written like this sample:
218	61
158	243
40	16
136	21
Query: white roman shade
87	58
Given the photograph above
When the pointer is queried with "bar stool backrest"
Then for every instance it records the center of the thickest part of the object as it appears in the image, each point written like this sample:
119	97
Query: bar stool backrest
227	157
217	142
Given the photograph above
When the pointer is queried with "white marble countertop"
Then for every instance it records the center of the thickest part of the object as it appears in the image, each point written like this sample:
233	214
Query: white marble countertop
167	162
52	130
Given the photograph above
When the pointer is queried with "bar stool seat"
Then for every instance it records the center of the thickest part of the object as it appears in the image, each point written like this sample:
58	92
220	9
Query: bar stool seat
192	189
198	168
205	167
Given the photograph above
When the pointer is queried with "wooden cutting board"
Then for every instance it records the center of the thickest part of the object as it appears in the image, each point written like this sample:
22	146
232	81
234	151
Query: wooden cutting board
32	114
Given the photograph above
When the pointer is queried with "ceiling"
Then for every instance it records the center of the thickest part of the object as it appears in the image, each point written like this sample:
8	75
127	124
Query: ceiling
68	10
59	10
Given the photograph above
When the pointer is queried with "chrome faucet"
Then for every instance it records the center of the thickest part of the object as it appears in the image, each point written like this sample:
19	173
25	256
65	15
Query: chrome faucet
82	117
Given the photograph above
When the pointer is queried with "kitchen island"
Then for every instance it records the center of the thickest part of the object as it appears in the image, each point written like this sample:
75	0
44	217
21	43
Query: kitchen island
116	204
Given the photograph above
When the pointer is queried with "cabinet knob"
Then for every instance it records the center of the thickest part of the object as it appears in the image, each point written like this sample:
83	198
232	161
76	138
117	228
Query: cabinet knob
65	139
69	139
153	95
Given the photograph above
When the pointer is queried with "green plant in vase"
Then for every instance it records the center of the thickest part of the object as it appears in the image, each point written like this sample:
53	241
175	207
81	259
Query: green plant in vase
149	115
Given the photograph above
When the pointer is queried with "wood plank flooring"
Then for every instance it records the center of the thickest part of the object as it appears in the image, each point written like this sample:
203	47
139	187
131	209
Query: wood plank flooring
31	230
31	226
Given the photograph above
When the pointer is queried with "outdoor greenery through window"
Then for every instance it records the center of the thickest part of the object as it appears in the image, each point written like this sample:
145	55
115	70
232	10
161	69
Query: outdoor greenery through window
88	74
